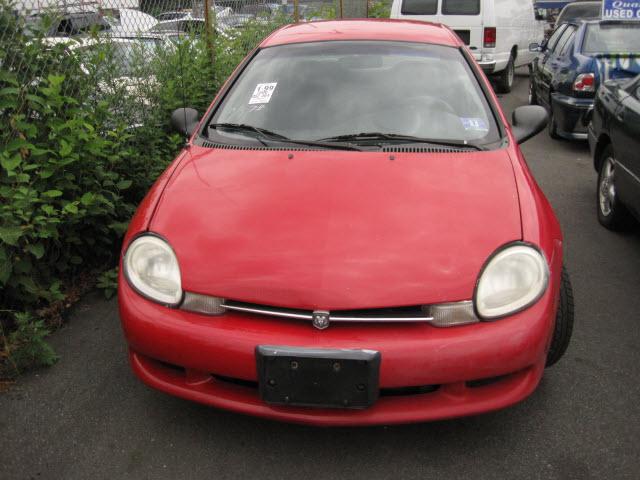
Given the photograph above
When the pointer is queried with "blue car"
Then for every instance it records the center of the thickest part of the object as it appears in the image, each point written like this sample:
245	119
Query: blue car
573	63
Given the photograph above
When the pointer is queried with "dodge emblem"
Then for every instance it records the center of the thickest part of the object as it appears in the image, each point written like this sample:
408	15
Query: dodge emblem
320	319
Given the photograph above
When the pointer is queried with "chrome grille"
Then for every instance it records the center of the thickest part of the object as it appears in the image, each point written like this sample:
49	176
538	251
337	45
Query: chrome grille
384	315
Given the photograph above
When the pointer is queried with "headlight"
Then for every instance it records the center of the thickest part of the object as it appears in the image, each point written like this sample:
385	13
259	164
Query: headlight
152	269
513	279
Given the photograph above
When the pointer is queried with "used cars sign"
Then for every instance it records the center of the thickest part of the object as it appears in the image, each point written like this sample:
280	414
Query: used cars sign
620	10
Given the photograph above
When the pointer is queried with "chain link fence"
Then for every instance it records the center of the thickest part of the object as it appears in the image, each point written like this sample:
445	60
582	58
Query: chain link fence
130	52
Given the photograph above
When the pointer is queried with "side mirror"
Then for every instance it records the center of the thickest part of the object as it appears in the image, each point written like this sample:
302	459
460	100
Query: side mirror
528	121
535	47
185	121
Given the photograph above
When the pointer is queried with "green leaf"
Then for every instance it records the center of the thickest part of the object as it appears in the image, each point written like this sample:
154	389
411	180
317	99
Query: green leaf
71	208
65	148
55	80
10	164
46	173
123	184
17	144
87	198
37	249
10	235
9	91
52	193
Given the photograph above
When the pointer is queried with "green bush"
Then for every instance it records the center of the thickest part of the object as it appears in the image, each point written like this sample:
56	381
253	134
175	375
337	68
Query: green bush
379	9
73	168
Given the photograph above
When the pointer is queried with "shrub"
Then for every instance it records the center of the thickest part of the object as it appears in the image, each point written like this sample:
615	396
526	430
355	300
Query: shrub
73	167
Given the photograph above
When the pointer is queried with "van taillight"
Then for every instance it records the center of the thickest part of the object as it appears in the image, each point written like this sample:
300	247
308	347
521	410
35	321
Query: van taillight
490	37
585	82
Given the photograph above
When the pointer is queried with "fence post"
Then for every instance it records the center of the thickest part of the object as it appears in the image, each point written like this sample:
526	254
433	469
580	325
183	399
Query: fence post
209	32
296	12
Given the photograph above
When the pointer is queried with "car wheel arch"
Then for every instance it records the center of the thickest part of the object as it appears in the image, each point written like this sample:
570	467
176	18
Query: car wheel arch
602	144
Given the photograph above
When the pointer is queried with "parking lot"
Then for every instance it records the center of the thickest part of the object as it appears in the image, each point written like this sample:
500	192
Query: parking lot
88	417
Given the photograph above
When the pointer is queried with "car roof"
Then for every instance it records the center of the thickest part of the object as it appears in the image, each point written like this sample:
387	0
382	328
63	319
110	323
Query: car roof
366	29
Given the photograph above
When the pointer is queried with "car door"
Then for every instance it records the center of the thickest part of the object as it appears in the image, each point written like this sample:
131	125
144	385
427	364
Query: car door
556	62
626	144
541	81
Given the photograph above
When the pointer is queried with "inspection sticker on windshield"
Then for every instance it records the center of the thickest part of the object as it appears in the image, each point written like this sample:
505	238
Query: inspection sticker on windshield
474	124
262	93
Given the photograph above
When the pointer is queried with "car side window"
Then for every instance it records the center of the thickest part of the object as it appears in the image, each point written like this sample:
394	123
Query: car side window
564	38
569	42
555	37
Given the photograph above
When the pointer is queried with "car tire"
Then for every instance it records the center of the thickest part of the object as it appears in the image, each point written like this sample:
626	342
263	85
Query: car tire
507	76
533	96
552	125
611	213
563	328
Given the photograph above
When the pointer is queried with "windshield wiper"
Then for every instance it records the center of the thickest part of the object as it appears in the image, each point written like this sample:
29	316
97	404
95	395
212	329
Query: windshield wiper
269	135
377	136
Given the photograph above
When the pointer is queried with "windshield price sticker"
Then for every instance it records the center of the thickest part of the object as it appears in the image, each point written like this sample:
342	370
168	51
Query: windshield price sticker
262	93
620	10
474	124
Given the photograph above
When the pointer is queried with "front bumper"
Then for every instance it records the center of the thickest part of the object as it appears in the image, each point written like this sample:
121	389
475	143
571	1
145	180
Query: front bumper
572	115
211	360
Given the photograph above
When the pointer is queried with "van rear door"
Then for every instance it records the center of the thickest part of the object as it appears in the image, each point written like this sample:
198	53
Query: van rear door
465	18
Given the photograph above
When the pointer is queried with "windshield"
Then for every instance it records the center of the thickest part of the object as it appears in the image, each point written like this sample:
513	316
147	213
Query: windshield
577	11
613	38
317	91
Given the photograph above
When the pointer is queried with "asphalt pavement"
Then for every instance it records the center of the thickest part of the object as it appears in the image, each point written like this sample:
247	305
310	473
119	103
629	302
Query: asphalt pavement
87	417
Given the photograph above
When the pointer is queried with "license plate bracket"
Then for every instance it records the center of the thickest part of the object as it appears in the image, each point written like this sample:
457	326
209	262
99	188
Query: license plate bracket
318	377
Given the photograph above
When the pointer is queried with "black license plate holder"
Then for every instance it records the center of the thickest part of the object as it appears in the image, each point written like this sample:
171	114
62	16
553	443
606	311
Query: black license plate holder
318	377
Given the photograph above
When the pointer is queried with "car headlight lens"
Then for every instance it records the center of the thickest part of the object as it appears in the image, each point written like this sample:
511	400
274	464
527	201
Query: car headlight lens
152	269
513	279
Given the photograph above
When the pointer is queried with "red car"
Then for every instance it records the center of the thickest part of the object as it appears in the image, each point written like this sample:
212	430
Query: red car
351	237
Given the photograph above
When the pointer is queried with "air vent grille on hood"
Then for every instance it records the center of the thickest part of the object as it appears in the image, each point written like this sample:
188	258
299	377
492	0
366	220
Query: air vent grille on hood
417	149
387	149
224	146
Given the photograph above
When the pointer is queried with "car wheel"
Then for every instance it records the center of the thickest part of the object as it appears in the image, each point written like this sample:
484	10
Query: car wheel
506	77
533	96
552	125
611	213
564	321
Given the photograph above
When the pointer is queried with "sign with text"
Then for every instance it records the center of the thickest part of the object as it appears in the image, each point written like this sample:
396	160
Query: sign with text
621	10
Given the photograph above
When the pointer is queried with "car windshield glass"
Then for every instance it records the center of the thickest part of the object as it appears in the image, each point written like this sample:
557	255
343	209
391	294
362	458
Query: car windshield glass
578	11
324	90
461	7
612	38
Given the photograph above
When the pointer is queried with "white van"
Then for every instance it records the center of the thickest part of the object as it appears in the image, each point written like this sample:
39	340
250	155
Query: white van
498	32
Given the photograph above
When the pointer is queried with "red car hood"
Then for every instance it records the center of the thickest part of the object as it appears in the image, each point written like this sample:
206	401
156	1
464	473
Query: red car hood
337	230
